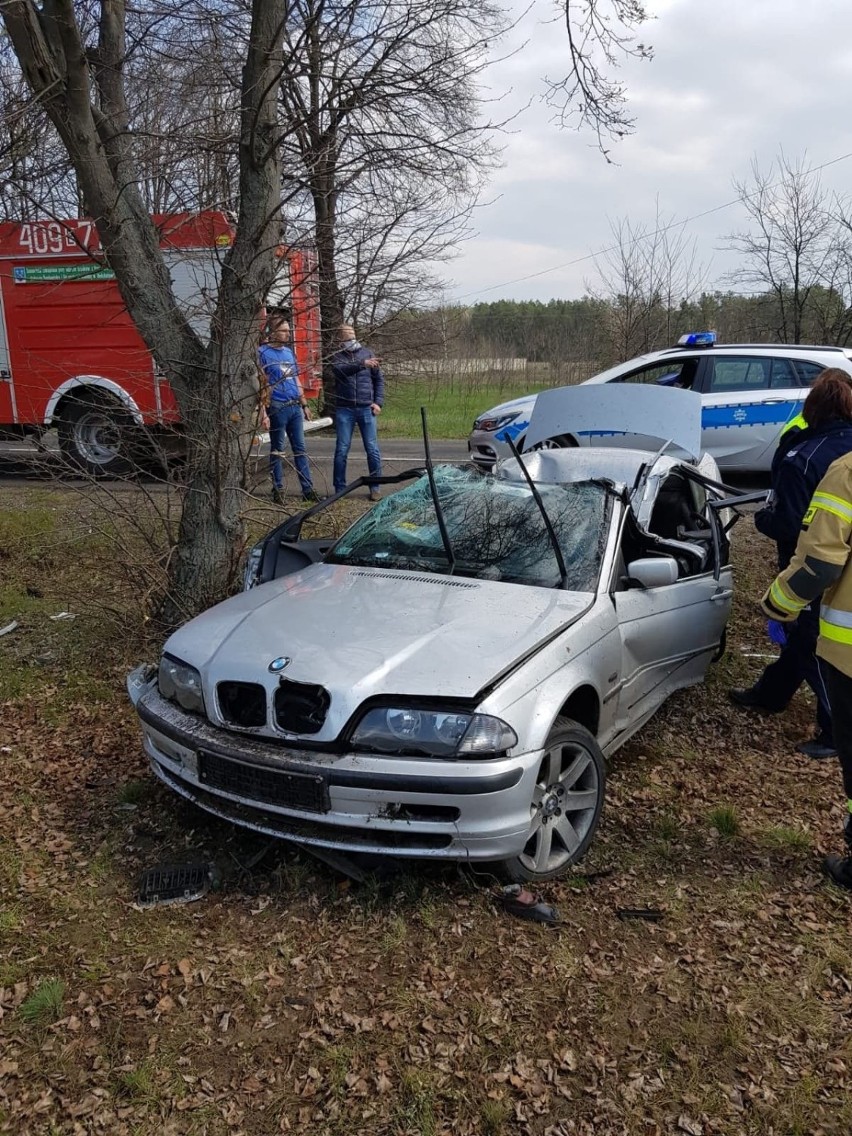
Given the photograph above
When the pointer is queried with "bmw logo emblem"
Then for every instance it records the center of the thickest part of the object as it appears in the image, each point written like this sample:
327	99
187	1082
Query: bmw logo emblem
279	664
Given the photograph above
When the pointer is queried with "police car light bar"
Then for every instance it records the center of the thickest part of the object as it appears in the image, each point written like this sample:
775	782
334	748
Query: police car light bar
697	339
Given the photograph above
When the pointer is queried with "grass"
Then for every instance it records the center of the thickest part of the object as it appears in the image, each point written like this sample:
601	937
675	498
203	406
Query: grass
667	827
10	919
44	1005
494	1115
787	838
725	820
139	1083
451	406
417	1105
134	792
395	935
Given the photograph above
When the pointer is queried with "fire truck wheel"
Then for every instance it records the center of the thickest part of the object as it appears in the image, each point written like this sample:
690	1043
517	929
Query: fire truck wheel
94	436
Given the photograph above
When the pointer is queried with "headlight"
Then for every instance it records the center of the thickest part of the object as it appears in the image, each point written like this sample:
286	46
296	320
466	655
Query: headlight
495	422
432	733
180	683
252	567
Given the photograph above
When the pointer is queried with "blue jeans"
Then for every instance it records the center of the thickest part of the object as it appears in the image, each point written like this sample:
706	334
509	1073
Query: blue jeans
289	420
345	419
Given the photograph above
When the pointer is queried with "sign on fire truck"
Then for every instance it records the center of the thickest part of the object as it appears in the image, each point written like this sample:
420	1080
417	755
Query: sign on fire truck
71	357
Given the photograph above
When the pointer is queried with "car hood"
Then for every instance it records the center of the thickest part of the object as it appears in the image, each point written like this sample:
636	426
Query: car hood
363	632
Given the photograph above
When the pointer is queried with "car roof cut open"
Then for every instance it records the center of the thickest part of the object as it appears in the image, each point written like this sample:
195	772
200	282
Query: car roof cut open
647	411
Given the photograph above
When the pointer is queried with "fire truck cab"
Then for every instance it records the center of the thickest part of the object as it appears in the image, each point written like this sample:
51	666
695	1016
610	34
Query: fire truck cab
71	357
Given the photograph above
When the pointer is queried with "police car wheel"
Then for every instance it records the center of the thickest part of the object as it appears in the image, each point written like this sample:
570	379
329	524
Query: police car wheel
561	442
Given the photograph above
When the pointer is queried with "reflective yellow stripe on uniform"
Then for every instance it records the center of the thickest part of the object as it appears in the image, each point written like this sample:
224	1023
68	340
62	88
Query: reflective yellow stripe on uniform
797	423
838	506
782	601
835	624
834	633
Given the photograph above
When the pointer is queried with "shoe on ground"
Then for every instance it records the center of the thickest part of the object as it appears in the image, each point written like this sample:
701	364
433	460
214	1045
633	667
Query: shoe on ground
748	698
278	496
374	495
818	748
839	870
311	497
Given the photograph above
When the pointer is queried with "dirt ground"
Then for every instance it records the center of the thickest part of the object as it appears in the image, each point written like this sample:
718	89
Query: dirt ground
291	1000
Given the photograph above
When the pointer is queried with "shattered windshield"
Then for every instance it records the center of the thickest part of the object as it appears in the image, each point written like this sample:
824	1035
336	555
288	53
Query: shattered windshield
495	528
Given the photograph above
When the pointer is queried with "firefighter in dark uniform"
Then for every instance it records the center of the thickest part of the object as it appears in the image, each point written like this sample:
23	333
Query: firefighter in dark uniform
822	564
821	435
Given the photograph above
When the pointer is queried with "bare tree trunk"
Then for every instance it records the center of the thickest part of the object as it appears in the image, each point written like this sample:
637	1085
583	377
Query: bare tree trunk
332	314
224	389
215	384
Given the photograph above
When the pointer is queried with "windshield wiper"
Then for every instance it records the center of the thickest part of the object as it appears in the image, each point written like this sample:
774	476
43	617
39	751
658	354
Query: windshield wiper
439	513
551	532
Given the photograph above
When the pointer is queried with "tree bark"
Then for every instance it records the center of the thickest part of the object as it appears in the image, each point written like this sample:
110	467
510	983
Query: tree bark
332	314
215	383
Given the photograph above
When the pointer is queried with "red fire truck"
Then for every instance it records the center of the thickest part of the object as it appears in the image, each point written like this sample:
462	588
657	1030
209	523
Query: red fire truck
71	357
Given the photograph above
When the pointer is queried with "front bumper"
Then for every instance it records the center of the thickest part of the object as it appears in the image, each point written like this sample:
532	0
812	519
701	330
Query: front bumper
484	450
454	810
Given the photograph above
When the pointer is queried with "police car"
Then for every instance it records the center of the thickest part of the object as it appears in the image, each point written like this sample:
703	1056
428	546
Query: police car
749	392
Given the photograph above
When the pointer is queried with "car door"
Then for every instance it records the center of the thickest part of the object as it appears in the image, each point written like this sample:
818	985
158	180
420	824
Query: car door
747	400
669	633
790	387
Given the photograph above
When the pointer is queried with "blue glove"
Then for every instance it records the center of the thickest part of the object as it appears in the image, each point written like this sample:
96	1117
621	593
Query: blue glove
777	632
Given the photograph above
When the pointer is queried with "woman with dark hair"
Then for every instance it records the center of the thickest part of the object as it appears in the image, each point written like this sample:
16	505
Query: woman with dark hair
800	463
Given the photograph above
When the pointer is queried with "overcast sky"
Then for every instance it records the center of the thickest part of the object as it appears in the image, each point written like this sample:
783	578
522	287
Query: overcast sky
730	80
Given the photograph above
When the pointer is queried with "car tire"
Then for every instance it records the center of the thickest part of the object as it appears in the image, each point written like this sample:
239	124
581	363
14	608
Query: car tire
559	836
95	435
560	442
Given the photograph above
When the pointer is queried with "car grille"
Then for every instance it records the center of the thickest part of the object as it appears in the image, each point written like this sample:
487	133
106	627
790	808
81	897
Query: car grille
242	703
274	786
301	707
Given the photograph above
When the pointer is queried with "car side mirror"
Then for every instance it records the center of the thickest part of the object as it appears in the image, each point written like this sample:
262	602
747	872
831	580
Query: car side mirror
653	571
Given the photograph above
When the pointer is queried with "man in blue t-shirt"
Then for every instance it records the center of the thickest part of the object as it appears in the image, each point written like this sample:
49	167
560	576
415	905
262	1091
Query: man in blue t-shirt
287	408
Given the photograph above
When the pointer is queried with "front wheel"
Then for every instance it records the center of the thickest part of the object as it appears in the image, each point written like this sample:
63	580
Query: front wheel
566	805
560	442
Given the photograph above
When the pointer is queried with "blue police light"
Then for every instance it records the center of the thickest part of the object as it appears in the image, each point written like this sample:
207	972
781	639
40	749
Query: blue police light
697	339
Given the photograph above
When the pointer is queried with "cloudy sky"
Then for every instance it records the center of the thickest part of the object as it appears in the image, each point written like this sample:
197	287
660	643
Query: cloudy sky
730	80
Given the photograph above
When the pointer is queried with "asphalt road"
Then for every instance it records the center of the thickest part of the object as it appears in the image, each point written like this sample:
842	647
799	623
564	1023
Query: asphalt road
22	464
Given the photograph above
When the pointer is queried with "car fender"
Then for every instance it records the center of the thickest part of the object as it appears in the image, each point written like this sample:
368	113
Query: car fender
587	655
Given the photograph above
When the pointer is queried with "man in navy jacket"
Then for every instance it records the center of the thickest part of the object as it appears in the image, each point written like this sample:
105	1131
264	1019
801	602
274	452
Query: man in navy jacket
359	390
800	463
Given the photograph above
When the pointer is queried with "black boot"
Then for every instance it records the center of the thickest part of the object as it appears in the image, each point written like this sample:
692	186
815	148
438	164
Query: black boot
819	748
749	699
839	870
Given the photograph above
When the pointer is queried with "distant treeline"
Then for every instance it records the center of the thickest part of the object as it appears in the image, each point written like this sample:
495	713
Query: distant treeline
568	333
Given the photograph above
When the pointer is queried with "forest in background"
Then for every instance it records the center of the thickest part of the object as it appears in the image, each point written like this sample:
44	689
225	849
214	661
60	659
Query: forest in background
564	341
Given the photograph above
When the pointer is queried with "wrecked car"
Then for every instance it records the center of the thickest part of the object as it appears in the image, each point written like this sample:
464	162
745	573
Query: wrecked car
447	679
